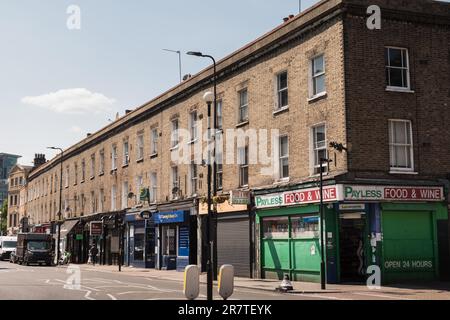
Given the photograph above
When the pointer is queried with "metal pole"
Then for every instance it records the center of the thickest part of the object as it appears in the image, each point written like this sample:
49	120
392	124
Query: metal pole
208	229
322	229
60	207
179	61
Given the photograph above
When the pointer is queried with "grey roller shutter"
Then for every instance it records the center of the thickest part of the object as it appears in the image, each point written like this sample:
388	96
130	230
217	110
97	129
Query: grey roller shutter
233	245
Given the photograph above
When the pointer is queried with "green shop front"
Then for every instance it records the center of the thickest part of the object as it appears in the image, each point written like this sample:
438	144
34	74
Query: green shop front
401	230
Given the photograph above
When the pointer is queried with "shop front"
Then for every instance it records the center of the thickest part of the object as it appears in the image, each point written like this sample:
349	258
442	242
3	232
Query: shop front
176	234
140	240
235	241
400	229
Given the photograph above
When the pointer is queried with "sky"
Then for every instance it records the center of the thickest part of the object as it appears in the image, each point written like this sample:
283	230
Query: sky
58	84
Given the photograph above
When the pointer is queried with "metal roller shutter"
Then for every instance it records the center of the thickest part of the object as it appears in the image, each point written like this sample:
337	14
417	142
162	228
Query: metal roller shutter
233	245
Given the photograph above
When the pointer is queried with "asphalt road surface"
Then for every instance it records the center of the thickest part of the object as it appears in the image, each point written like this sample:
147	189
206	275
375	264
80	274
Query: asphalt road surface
54	283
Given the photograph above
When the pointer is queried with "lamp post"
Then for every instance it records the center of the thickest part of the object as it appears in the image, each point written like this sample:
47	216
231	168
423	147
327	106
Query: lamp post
322	229
209	98
214	179
60	203
179	60
1	223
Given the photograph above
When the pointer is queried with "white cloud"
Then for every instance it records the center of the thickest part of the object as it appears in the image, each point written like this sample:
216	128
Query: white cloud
75	129
72	101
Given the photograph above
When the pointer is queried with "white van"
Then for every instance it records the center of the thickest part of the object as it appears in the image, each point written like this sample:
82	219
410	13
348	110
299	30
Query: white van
7	245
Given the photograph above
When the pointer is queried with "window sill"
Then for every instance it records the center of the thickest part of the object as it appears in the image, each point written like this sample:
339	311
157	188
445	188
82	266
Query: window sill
92	178
140	160
113	170
174	148
193	141
403	172
317	97
125	165
153	156
101	174
401	90
281	181
281	110
82	181
242	124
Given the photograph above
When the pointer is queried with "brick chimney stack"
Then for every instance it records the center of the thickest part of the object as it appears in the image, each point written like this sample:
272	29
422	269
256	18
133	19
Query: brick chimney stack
39	160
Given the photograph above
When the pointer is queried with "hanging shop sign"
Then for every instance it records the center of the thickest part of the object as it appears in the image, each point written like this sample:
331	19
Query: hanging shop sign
96	228
299	197
389	193
238	197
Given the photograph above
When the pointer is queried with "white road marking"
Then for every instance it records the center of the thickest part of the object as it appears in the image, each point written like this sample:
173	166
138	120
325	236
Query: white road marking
87	296
320	296
380	296
111	296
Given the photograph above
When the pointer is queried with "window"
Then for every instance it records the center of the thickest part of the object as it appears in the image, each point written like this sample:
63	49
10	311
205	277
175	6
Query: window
276	228
175	185
93	203
175	137
139	185
193	125
125	192
126	153
243	167
401	145
319	148
67	176
219	161
397	68
154	187
282	90
155	136
75	167
194	178
101	199
284	157
102	161
219	115
317	76
305	227
140	146
113	198
114	158
243	106
83	170
93	166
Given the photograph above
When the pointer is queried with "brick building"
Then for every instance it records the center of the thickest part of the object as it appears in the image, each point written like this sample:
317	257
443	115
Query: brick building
17	193
373	103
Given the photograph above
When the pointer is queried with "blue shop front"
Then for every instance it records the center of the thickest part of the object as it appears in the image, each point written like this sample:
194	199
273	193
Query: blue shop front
140	240
176	244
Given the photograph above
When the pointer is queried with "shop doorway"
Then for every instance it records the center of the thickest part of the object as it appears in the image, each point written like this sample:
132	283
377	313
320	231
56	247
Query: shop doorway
352	260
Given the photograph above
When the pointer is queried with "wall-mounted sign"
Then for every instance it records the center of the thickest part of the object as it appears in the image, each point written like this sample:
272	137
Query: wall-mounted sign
352	206
169	217
299	197
96	228
238	197
388	193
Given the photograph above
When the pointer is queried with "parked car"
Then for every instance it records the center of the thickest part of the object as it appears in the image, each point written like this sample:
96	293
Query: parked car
34	248
7	245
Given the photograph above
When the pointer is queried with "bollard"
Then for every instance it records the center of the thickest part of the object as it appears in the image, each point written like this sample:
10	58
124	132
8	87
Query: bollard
286	284
226	281
191	287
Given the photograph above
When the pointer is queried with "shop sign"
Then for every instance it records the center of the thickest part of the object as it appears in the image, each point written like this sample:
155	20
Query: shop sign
292	198
352	206
388	193
239	197
96	228
169	217
408	265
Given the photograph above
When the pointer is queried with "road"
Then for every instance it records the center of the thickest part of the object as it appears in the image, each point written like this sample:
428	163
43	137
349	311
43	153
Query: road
50	283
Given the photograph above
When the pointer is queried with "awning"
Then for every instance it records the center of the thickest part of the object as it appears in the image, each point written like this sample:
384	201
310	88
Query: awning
66	227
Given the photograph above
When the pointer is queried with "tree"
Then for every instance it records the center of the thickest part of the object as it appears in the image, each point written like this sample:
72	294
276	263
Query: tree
4	210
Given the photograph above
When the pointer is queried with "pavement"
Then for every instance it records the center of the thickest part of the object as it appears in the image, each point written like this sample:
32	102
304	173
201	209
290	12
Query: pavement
416	291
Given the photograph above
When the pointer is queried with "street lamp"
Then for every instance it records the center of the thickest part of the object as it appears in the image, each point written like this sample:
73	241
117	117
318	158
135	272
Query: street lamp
322	228
60	202
212	98
209	98
179	60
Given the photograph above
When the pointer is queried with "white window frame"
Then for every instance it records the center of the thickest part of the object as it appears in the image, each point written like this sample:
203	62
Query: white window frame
155	137
280	91
174	183
175	138
101	198
315	151
154	187
114	157
125	191
219	114
140	147
392	145
102	161
193	125
126	153
92	166
219	171
242	106
243	164
114	198
193	173
408	68
283	157
313	77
